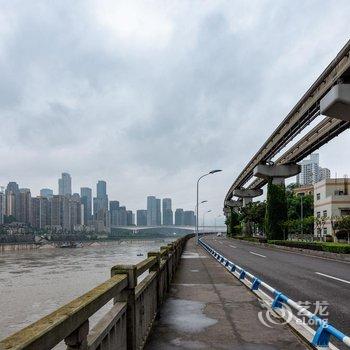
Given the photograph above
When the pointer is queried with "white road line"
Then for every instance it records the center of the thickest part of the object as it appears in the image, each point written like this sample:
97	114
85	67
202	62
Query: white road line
232	246
262	256
332	277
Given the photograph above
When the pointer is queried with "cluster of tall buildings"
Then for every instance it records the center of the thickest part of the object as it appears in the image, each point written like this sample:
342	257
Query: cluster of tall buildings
161	213
311	171
67	211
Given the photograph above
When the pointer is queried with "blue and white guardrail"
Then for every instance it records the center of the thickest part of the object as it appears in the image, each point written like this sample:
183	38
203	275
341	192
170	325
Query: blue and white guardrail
320	338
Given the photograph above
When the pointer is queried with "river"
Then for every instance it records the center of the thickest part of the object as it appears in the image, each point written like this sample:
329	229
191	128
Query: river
35	282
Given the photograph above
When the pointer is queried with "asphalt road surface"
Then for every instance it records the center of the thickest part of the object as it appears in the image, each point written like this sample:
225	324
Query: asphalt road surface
300	277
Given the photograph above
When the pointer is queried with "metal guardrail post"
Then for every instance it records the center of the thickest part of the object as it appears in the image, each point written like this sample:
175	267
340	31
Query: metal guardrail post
128	296
78	339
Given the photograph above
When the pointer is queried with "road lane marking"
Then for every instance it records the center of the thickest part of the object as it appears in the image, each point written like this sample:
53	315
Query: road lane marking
262	256
232	246
332	277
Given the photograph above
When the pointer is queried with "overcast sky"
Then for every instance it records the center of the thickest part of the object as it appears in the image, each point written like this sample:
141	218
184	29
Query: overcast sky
150	95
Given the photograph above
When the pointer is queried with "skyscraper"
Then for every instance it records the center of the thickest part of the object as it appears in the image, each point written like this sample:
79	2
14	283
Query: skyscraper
86	201
2	205
152	209
46	192
167	212
179	217
113	208
129	218
122	216
12	200
60	212
101	200
158	213
40	212
311	172
24	205
74	211
189	218
141	217
65	185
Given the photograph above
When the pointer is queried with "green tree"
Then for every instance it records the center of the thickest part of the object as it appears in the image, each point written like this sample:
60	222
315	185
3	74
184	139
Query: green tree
253	215
294	203
233	223
276	211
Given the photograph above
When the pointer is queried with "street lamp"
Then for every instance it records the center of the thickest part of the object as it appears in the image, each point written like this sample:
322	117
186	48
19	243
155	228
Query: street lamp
208	211
201	177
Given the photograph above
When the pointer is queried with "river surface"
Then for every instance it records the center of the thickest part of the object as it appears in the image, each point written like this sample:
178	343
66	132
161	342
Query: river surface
35	282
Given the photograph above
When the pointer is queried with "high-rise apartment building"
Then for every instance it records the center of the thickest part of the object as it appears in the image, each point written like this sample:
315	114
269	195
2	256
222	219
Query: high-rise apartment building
2	205
189	218
179	217
86	201
311	172
65	185
113	208
60	212
46	192
40	212
12	200
129	218
100	204
122	216
141	216
167	212
74	211
24	205
151	211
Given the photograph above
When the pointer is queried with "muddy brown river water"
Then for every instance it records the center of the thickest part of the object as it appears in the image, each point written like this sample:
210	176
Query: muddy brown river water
35	282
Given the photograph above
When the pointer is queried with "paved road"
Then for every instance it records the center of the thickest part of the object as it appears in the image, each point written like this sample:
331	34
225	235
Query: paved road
300	277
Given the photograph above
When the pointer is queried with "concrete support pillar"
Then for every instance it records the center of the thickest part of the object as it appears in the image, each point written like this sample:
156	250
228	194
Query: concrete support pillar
276	208
278	173
247	200
247	196
233	204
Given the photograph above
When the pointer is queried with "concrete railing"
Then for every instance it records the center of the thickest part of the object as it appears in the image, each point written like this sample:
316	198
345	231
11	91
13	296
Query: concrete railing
283	306
126	325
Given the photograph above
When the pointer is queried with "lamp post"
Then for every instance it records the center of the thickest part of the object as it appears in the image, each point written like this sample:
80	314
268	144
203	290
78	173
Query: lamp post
201	177
206	212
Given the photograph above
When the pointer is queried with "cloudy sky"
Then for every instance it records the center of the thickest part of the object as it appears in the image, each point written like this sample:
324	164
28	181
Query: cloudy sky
150	95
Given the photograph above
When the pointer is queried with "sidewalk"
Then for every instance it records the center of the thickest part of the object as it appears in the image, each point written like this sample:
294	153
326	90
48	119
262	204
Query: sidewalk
208	308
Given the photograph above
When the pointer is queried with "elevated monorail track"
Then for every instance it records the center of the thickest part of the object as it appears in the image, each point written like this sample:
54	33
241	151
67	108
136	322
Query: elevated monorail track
304	112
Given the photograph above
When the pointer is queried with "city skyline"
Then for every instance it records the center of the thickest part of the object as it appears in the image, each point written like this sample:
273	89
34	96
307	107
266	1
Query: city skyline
112	113
69	209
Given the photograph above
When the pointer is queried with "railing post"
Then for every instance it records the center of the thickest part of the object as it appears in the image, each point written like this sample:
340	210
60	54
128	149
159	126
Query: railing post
128	296
78	339
156	268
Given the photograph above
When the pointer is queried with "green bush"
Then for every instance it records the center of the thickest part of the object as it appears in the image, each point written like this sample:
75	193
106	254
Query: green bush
320	246
247	238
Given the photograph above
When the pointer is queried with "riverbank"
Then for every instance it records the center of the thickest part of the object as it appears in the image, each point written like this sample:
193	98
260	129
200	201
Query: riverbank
53	245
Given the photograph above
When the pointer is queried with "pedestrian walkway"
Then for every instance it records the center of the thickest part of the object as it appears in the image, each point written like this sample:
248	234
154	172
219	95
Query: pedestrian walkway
208	308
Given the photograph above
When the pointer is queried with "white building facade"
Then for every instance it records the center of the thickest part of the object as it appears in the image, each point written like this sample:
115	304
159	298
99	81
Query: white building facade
331	200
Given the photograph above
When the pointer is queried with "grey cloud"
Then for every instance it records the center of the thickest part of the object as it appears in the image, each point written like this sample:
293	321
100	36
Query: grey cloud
76	95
